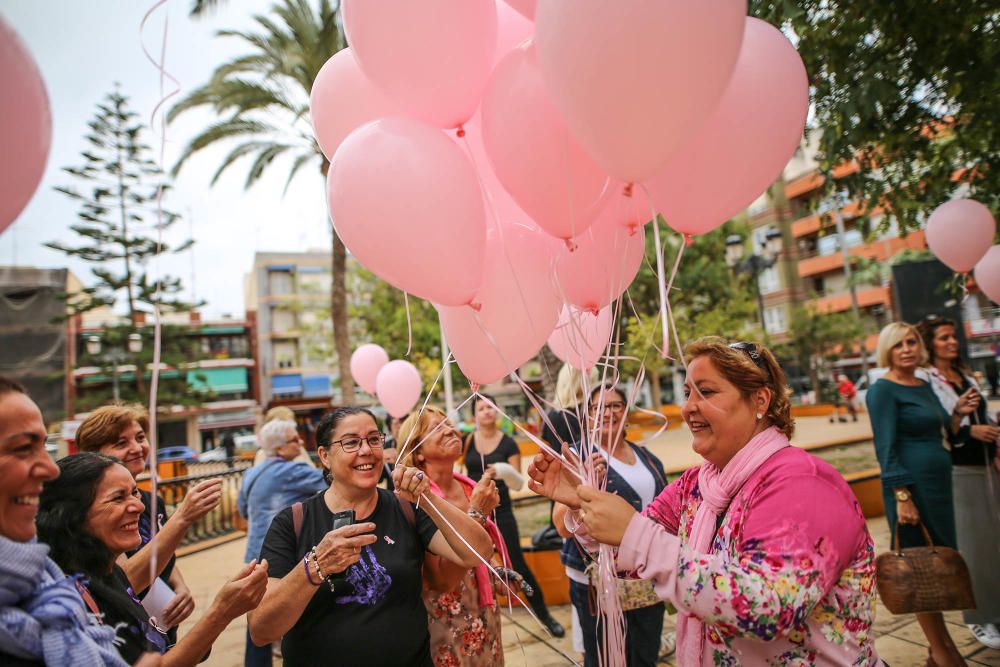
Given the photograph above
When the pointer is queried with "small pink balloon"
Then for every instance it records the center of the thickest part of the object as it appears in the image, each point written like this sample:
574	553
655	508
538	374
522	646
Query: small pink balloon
746	141
519	306
581	338
432	57
25	126
601	267
366	362
635	78
407	204
538	161
988	274
525	7
959	232
342	100
398	387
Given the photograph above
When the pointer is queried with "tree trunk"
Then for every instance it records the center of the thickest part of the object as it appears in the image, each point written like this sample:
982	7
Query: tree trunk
550	371
655	396
338	311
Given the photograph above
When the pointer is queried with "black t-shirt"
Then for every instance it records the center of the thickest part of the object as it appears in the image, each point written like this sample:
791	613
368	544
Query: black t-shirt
972	452
135	635
474	463
382	619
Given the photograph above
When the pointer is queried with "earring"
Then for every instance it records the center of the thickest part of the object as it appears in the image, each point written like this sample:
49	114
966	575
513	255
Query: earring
759	416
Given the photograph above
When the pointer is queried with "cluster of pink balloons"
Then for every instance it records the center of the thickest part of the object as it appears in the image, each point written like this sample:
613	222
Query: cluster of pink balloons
960	233
25	126
501	159
396	383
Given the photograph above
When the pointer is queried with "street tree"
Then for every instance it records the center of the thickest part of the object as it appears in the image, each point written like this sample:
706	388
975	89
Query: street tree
816	338
262	98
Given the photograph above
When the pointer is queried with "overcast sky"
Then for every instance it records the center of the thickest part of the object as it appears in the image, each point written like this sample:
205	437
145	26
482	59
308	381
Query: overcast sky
82	48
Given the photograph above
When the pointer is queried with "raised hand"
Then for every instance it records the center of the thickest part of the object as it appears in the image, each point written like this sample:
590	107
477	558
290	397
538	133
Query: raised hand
410	483
549	478
486	496
201	499
243	592
341	548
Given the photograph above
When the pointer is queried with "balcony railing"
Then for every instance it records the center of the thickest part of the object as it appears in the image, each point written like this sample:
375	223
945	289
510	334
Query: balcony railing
225	518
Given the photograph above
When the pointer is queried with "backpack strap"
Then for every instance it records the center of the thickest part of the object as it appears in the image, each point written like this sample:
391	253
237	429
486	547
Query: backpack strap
297	519
408	512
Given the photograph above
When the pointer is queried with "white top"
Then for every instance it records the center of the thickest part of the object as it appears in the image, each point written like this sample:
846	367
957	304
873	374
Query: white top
638	477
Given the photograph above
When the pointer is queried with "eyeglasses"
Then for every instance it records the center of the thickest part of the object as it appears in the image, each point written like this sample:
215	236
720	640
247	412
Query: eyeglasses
616	407
352	443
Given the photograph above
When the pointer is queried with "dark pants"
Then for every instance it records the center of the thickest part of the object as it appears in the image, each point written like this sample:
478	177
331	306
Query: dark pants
643	628
512	539
256	656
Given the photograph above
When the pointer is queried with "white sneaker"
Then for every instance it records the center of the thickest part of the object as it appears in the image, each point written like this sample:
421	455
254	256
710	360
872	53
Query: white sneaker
987	635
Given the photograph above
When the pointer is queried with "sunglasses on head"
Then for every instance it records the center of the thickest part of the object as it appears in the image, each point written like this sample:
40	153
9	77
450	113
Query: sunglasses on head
752	350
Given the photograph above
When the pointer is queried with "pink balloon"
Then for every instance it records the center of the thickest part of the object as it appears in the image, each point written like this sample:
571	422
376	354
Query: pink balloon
519	306
342	100
988	274
581	338
533	154
603	265
960	232
25	126
746	141
407	204
527	8
512	30
366	362
627	208
635	78
398	387
432	57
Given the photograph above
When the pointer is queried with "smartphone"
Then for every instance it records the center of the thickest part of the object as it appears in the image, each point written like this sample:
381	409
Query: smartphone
341	519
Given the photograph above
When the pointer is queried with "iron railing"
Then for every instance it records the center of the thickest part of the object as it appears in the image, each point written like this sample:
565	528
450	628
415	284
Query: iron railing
225	518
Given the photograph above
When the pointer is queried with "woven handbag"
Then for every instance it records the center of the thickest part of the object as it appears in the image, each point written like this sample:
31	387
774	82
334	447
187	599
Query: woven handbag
923	579
633	593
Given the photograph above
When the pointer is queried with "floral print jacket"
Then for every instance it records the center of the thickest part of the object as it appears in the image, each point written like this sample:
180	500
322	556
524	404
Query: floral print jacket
790	579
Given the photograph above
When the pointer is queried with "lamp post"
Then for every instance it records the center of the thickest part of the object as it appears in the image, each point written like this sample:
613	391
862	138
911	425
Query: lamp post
755	264
115	356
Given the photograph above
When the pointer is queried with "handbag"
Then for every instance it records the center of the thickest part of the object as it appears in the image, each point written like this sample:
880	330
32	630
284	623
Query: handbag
632	593
923	579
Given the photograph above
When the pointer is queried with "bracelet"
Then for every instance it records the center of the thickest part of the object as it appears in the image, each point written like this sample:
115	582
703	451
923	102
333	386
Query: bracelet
305	566
315	560
478	516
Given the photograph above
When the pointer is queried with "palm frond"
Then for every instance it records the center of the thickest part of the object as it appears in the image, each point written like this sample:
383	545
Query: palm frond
228	129
264	158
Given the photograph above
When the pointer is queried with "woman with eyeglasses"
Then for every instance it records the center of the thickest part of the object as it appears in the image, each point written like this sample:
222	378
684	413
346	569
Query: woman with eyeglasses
346	564
485	448
762	548
635	475
277	483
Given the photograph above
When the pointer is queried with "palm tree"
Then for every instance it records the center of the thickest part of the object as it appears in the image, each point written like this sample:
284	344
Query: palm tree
263	100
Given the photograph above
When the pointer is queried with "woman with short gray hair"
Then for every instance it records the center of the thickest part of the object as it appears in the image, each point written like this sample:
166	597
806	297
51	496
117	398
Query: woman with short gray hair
278	482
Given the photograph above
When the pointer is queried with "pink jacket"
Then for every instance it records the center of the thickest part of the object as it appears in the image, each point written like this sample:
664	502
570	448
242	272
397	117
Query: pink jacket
790	577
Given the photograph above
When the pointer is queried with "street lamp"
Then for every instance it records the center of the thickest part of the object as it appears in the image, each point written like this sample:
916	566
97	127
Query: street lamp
755	264
115	356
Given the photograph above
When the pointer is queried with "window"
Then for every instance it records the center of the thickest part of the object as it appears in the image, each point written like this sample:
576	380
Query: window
769	280
282	321
285	354
774	318
280	282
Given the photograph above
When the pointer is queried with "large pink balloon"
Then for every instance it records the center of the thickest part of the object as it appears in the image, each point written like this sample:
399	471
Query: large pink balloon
542	166
519	306
398	387
635	78
431	57
366	362
988	274
512	30
342	100
25	125
603	265
407	204
745	143
580	337
525	7
960	232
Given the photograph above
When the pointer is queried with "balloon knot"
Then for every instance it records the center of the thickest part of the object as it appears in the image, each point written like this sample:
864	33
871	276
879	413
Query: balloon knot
688	240
475	305
633	228
627	191
460	132
570	244
593	310
475	387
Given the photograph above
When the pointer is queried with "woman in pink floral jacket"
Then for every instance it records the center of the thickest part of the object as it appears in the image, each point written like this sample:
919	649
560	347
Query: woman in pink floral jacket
763	548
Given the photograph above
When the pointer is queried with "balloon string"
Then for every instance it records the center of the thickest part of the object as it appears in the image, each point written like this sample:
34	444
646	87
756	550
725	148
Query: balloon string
423	406
409	325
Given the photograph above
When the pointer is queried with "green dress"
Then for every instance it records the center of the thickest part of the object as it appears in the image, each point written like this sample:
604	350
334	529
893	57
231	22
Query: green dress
909	426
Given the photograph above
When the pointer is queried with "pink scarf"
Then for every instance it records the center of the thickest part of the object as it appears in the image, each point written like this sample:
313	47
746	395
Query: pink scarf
717	489
483	585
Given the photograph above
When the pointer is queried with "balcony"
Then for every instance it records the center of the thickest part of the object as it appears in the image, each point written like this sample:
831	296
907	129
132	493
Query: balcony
878	250
838	303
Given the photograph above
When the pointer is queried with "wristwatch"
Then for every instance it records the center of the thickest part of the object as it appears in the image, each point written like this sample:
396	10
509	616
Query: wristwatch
902	495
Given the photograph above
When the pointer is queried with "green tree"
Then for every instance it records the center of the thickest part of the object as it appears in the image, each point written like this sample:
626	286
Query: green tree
816	338
907	90
263	99
118	185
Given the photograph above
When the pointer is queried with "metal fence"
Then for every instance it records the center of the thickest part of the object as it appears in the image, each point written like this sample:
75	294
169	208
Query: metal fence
225	518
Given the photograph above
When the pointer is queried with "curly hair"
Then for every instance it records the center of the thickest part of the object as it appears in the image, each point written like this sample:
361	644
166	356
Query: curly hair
328	424
749	366
104	425
62	517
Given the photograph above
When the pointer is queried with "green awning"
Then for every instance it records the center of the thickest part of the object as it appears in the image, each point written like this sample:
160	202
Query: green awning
127	376
222	330
218	380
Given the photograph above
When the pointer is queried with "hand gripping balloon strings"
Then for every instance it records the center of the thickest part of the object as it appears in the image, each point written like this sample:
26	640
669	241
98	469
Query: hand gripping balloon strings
157	328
